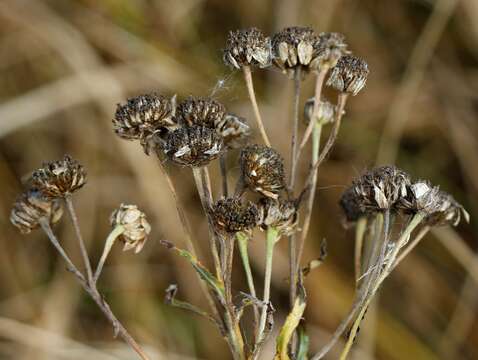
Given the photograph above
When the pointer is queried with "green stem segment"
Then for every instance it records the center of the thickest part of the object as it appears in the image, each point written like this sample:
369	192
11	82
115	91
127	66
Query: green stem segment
359	238
242	240
110	240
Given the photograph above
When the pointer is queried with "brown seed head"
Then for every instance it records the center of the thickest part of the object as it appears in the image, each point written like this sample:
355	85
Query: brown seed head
136	227
200	111
349	75
278	213
330	48
193	145
234	130
295	47
262	170
143	116
449	211
30	207
59	178
325	111
231	215
350	204
247	47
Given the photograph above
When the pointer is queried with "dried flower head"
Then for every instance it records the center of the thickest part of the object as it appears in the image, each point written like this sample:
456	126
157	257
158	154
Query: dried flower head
59	178
144	115
30	207
193	145
350	204
136	227
295	47
280	214
231	215
325	111
200	111
380	189
449	211
247	47
233	130
330	48
262	170
349	75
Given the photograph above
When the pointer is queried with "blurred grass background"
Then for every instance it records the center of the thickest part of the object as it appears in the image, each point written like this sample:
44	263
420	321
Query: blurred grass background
65	64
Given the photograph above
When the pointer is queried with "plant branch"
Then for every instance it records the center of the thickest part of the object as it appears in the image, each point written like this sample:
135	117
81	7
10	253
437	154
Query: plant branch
110	240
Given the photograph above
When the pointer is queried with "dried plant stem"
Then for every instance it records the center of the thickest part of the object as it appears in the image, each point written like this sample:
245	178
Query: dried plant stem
223	168
271	239
110	240
242	240
319	83
411	246
360	229
310	200
90	288
252	96
382	276
295	130
84	253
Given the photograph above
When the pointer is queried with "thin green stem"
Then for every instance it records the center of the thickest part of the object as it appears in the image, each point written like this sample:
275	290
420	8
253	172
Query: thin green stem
242	241
359	240
110	240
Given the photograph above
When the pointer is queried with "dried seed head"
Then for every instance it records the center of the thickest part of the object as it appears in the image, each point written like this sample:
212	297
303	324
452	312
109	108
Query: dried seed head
278	213
144	115
233	130
380	189
325	111
200	111
262	170
349	202
193	145
295	47
136	227
59	178
449	211
349	75
231	215
330	48
30	207
247	47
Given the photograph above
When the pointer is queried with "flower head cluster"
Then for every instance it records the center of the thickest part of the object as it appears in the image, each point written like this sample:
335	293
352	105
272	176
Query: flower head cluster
136	227
349	75
262	170
280	214
247	47
231	215
200	111
389	188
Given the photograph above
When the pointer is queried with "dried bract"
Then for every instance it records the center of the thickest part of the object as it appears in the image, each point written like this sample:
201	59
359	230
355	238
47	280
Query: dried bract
295	47
233	130
349	75
144	115
200	111
262	170
449	211
380	189
325	111
30	207
193	146
231	215
329	49
59	178
280	214
136	227
248	47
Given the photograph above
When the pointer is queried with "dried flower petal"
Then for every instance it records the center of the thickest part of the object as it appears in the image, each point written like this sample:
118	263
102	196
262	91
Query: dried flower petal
193	146
136	227
278	213
247	47
200	111
262	170
231	215
59	178
349	75
325	111
30	207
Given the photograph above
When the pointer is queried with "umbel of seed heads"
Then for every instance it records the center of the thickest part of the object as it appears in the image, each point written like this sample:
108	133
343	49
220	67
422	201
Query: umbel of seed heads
349	75
30	207
136	227
143	116
231	215
247	47
56	179
262	170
